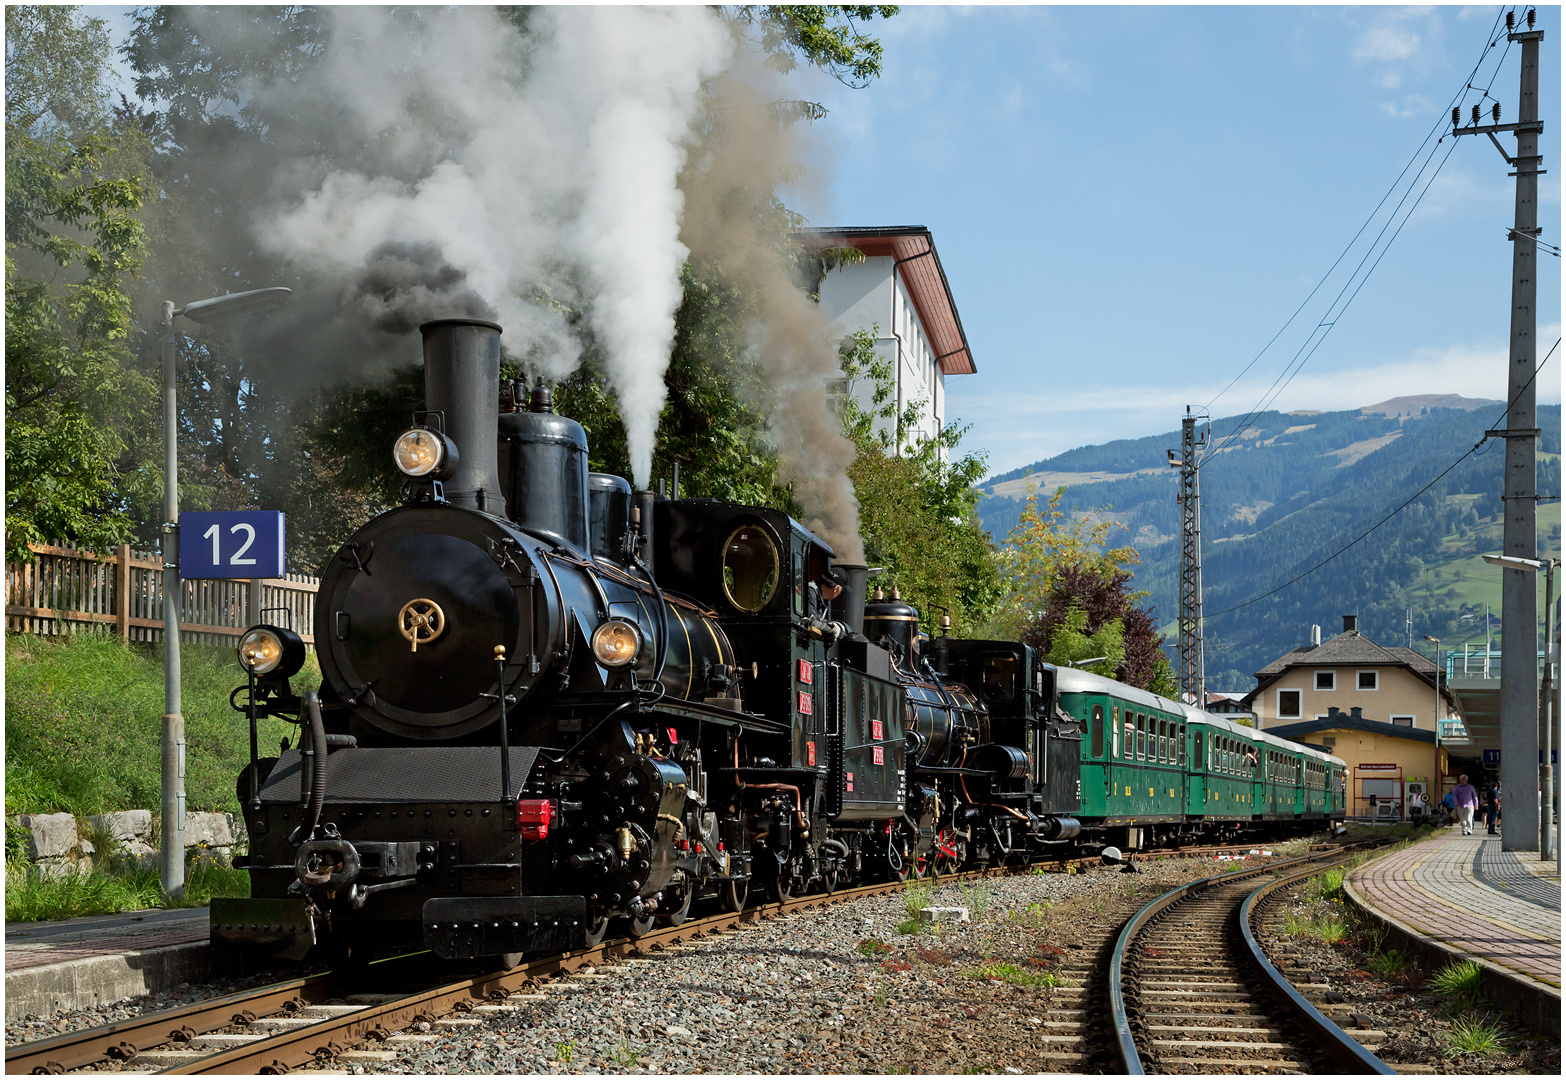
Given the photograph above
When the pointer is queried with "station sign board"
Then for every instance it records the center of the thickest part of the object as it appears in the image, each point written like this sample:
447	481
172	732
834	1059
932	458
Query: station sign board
231	544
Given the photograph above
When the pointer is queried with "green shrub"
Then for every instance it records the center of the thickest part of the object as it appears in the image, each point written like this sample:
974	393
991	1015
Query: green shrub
1390	963
83	725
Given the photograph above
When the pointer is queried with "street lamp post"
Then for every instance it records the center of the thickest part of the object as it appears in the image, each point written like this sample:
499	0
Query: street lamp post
1546	740
1440	782
172	822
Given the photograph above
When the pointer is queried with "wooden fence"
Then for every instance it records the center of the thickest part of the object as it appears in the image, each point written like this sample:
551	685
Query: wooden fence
66	591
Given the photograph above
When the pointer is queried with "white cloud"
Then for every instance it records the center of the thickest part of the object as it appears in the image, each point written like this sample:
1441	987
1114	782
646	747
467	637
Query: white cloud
1412	105
1387	42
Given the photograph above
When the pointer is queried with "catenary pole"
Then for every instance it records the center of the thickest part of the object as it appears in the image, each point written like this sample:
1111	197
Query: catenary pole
1193	675
1520	773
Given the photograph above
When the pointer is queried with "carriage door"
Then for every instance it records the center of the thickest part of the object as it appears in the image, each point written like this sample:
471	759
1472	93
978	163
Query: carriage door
1196	773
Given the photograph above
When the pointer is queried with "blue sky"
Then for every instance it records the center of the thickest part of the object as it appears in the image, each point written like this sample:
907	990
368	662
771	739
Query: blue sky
1130	202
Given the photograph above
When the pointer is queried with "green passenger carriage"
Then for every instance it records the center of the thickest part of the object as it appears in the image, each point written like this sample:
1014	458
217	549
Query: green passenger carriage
1156	771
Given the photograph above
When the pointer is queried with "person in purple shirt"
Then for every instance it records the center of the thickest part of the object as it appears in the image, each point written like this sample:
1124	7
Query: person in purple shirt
1467	800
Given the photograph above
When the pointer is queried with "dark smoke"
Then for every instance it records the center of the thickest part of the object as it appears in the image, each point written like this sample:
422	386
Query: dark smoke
405	284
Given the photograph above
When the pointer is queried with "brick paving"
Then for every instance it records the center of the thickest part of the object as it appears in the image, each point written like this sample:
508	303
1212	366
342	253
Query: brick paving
33	944
1508	913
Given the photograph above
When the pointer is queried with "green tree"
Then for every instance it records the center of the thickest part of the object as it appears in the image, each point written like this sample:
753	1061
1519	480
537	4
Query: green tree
73	245
916	506
824	35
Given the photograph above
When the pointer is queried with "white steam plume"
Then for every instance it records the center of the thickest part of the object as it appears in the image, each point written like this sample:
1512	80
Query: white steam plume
540	167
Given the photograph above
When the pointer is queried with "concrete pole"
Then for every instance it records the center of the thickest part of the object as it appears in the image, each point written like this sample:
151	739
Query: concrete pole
1519	591
1547	721
172	824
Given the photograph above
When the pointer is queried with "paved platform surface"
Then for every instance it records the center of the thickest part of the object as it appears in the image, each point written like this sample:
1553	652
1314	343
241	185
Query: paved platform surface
35	944
1464	892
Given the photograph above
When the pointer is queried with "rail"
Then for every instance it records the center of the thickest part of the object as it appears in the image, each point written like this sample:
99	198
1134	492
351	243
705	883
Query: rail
1334	1041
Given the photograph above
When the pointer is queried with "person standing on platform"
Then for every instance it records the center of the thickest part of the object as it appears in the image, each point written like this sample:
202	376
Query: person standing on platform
1492	807
1467	800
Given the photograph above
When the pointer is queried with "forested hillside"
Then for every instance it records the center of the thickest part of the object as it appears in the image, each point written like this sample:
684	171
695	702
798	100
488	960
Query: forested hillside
1287	492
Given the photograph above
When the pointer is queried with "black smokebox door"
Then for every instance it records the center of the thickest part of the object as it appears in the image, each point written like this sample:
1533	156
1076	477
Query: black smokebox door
479	609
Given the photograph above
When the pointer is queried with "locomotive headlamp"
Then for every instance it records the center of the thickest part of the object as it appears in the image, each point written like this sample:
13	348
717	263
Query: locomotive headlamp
271	650
617	643
421	452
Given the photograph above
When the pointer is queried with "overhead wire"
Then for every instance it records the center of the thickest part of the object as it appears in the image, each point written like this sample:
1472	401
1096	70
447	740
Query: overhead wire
1400	507
1492	39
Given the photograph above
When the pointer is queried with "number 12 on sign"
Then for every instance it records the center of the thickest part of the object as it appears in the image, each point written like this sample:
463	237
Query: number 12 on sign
231	544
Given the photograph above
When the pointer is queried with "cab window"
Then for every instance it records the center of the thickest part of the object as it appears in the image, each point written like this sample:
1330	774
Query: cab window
1098	731
1000	678
750	568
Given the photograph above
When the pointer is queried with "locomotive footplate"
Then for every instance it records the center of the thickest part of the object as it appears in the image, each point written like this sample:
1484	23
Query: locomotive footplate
465	926
260	926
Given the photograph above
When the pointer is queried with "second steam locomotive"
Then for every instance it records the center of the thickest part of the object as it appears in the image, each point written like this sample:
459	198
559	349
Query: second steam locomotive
550	702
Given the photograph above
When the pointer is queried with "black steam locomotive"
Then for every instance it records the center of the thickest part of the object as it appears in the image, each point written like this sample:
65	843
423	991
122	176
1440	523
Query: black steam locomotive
550	702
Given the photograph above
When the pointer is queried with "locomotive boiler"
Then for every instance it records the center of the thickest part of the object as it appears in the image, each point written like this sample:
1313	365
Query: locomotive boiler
549	702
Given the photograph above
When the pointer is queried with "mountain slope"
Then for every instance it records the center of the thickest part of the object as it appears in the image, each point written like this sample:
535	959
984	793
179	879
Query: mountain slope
1286	493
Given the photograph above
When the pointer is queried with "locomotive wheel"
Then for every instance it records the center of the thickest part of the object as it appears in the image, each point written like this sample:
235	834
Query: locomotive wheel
678	914
596	929
642	925
733	894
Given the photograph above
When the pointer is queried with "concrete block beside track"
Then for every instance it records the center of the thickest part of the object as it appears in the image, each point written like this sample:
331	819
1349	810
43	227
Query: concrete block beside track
99	980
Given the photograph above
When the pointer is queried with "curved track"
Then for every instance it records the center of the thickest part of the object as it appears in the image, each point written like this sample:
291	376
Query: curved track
1192	992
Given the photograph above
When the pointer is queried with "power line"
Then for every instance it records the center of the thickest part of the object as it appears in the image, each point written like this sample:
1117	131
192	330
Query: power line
1405	503
1491	40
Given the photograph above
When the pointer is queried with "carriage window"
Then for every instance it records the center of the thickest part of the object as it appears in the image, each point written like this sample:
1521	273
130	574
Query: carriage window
1098	731
1141	737
750	568
1163	742
1130	737
1180	739
1114	733
1000	678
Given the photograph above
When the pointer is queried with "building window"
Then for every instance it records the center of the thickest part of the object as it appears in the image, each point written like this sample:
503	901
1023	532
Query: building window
1368	680
1403	721
1326	680
1289	704
1330	741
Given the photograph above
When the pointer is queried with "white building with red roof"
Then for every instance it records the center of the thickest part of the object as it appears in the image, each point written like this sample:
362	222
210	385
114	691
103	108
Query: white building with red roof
899	292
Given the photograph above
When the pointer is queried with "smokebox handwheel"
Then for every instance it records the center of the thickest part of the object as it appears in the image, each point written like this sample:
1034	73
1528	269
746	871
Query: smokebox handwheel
421	620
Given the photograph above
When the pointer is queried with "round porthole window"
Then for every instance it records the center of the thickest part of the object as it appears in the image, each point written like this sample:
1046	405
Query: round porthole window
751	567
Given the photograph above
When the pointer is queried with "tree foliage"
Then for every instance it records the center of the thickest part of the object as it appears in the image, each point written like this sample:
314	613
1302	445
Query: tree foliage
75	402
916	504
823	35
1067	595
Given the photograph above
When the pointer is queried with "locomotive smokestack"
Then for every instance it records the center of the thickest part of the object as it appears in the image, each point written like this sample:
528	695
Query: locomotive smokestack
462	381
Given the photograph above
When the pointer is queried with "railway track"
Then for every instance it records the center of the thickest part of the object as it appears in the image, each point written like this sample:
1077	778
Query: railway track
298	1023
1191	990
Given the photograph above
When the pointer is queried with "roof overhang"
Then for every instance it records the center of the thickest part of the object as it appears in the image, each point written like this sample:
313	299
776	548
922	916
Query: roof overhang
912	249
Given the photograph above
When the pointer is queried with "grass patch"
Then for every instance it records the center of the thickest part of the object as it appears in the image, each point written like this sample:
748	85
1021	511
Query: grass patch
872	948
83	719
976	898
1391	963
1459	982
1013	975
30	897
1475	1035
1322	927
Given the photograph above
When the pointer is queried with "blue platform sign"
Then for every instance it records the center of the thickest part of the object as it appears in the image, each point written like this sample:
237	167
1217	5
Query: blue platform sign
231	544
1492	757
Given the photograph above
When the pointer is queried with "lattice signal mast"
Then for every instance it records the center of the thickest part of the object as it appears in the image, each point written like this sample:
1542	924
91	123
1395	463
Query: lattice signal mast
1193	673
